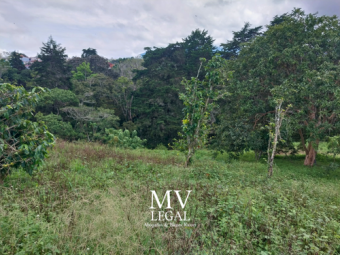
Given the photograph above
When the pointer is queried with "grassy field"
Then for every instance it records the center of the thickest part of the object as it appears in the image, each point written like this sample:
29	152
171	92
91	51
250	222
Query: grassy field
93	199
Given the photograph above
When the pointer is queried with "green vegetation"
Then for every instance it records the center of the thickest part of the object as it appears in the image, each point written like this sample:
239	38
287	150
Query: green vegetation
199	100
90	198
23	143
124	139
297	60
274	92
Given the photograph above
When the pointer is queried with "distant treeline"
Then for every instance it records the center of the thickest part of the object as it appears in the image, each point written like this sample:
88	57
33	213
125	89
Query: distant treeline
295	58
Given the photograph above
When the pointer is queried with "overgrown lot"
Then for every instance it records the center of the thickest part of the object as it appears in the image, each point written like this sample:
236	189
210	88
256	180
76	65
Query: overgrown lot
92	199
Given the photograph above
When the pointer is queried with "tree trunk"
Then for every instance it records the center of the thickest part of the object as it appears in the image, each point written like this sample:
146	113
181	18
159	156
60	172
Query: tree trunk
190	154
272	147
310	156
258	155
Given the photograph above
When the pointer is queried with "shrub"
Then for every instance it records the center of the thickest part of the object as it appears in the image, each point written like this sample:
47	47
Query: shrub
55	99
56	125
161	147
124	139
22	142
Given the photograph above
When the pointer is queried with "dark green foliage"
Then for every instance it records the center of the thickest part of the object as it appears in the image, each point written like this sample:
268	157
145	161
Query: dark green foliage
52	71
296	60
55	99
232	48
129	125
90	123
23	143
15	61
278	19
14	71
88	52
197	45
57	126
156	106
98	65
4	66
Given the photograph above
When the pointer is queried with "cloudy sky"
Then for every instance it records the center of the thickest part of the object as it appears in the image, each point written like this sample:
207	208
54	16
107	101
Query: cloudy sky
122	28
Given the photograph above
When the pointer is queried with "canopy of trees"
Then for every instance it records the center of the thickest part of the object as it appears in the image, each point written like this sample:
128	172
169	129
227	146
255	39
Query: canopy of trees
293	60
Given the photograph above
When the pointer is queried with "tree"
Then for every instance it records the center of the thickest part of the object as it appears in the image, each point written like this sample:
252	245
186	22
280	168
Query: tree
55	99
297	60
16	62
83	72
199	100
246	34
122	95
275	134
52	70
82	82
126	66
4	66
14	71
56	125
88	52
278	19
197	45
98	65
23	143
91	121
156	106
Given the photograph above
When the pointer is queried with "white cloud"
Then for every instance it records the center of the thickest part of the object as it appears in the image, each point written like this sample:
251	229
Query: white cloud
123	28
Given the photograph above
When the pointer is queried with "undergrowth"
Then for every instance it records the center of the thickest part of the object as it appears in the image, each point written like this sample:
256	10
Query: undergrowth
92	199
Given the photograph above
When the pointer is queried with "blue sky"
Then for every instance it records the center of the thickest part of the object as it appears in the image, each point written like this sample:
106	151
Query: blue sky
122	28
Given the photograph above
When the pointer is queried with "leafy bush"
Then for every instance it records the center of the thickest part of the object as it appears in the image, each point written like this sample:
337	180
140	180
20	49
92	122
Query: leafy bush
55	99
22	142
124	139
161	147
56	125
333	145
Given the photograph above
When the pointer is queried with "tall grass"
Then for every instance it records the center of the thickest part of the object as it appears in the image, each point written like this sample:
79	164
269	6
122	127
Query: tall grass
93	199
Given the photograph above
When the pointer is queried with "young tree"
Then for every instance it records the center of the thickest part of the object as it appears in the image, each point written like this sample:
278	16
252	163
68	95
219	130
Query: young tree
82	83
275	134
199	100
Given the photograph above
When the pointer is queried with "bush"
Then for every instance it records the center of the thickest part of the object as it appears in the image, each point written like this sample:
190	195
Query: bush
124	139
22	142
55	99
56	125
161	147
